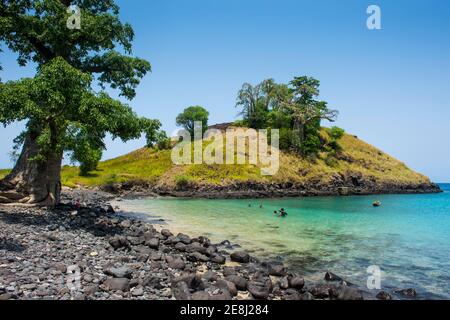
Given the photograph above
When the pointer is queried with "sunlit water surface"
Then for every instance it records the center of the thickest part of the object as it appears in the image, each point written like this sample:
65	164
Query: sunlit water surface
408	237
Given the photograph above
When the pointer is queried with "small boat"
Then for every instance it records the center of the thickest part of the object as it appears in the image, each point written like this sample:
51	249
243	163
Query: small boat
377	204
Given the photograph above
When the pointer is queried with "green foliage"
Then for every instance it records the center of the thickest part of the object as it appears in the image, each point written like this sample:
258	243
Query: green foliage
291	108
182	182
65	112
190	115
337	133
62	110
152	133
163	142
37	31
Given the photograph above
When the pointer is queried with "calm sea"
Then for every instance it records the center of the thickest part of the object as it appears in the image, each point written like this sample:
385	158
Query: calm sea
408	237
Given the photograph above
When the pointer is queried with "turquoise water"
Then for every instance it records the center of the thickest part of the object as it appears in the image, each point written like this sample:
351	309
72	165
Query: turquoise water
408	237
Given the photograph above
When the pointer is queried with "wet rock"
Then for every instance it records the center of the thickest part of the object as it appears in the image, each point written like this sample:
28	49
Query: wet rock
228	271
349	293
296	282
210	276
329	276
277	270
218	259
284	283
117	284
323	291
240	256
197	256
180	246
240	282
184	238
383	295
196	247
166	233
260	287
409	293
228	285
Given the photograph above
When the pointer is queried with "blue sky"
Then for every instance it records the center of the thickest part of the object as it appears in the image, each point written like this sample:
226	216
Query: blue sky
391	86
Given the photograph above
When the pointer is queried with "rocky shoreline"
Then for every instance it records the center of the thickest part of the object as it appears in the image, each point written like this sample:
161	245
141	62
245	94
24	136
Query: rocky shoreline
357	185
87	251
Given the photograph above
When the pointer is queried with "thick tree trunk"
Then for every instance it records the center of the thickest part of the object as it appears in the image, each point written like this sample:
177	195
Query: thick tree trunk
33	182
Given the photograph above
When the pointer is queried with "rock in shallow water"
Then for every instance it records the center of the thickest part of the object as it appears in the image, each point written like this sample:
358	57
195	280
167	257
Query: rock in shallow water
240	256
410	293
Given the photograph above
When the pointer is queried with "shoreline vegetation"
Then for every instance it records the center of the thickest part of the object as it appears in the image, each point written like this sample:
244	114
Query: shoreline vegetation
358	169
118	257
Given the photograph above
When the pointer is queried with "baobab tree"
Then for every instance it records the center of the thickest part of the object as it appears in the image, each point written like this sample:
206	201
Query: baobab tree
60	106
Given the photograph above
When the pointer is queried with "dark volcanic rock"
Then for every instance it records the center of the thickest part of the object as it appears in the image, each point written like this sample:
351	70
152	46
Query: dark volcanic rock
410	293
277	270
118	242
296	282
349	293
175	263
329	276
240	282
181	291
260	287
228	285
117	284
166	233
197	256
240	256
217	258
200	296
120	272
383	295
184	238
323	291
153	243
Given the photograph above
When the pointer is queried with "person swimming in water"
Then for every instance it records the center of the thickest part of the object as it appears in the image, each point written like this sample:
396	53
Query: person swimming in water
283	213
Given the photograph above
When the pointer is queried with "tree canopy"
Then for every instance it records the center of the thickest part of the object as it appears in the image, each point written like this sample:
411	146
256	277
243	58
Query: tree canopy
292	107
61	107
190	115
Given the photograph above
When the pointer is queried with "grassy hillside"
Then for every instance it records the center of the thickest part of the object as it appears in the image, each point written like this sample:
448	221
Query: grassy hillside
3	173
145	164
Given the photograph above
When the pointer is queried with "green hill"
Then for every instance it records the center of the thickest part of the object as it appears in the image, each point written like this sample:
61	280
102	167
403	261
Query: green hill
359	168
